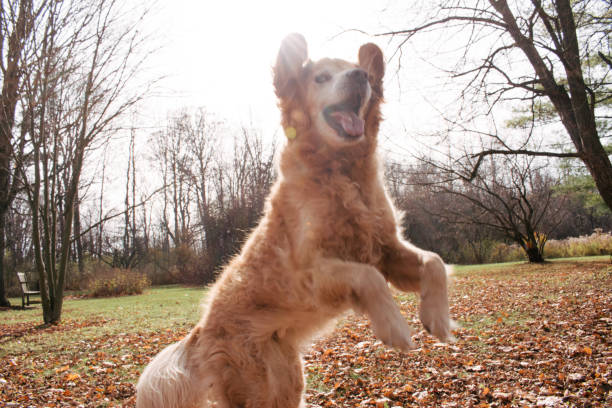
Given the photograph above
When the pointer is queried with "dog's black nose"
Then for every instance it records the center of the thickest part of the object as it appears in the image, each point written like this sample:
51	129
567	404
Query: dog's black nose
358	76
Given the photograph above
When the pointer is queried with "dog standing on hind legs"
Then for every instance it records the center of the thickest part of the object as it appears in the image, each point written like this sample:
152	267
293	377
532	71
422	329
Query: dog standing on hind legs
329	241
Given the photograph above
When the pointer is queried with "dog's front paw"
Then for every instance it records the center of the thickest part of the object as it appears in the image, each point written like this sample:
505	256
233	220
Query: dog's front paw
434	315
433	310
391	328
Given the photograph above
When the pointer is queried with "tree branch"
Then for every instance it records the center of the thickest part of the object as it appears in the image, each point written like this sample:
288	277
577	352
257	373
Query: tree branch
481	155
605	59
442	21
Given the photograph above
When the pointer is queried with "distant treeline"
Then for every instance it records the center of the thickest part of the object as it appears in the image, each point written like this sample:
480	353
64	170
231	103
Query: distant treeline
210	199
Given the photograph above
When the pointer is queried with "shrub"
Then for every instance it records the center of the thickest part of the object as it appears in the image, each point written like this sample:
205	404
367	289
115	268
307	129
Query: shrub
191	268
182	265
503	252
117	282
598	243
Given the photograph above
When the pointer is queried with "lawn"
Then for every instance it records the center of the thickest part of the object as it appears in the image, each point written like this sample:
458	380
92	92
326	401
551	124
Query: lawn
530	335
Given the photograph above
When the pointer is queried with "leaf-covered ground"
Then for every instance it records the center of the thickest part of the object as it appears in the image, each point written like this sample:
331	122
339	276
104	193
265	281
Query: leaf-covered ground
530	336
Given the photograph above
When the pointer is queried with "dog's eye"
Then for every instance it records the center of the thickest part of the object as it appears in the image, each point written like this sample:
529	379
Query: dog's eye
324	77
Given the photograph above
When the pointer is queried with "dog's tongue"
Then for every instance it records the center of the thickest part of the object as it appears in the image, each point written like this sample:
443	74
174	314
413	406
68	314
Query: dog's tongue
350	122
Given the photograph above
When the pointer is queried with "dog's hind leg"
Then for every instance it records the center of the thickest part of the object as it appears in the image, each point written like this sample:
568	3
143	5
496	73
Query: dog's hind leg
285	375
411	269
167	382
340	285
273	378
178	377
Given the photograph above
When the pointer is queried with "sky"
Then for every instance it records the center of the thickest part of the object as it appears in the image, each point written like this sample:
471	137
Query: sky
219	54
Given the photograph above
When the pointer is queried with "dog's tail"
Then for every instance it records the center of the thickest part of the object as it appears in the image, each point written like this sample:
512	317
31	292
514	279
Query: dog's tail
167	381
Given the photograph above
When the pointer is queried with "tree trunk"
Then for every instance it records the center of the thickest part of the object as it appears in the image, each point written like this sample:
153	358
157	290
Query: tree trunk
3	300
577	114
598	163
77	238
101	210
34	198
12	73
594	155
53	316
54	313
534	255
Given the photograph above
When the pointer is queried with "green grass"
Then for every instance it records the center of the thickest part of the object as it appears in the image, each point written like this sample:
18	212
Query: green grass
314	379
481	324
161	308
597	258
462	270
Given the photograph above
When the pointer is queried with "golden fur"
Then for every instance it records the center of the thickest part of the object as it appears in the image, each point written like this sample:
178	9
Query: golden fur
329	241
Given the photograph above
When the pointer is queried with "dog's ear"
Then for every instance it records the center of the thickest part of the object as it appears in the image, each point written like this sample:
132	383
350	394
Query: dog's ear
292	55
371	60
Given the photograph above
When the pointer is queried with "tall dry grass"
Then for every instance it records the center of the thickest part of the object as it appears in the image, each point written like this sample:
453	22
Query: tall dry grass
597	243
118	282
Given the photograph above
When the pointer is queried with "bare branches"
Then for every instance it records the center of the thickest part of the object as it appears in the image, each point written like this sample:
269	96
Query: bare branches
511	198
484	153
471	19
112	215
605	59
81	56
213	195
557	38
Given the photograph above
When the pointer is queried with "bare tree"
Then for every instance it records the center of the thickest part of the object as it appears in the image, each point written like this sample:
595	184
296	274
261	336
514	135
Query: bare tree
201	138
17	22
558	41
241	185
86	59
213	196
511	195
173	158
427	221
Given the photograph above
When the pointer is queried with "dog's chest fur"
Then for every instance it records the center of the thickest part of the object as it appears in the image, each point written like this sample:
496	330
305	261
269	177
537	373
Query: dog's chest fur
342	219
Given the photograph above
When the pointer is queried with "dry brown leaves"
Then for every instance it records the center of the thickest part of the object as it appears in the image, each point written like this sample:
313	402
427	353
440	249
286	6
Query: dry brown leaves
531	336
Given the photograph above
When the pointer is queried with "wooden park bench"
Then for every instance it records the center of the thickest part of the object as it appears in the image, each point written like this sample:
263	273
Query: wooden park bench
25	290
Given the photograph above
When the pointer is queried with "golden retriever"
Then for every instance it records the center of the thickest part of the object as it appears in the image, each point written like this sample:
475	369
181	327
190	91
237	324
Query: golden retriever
329	241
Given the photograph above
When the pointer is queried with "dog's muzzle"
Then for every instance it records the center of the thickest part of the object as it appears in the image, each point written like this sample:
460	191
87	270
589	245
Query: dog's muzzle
344	117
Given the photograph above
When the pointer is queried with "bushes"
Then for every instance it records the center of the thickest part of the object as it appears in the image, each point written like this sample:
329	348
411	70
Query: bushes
192	268
502	252
117	282
598	243
182	265
186	266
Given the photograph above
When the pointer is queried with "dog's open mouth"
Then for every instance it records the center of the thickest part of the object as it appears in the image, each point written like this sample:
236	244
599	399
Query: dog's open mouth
344	117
